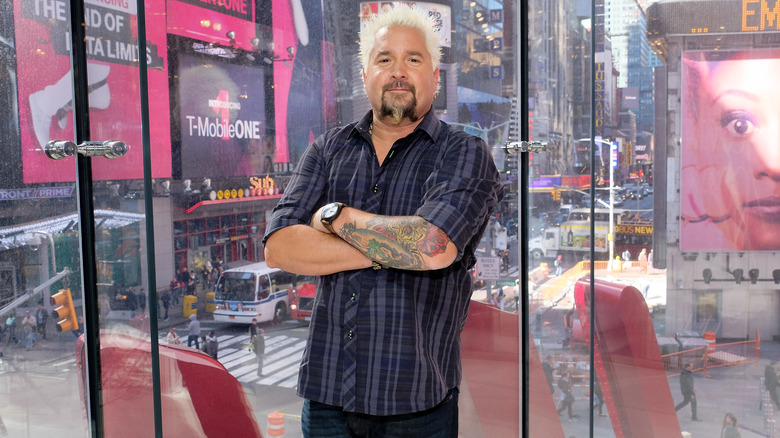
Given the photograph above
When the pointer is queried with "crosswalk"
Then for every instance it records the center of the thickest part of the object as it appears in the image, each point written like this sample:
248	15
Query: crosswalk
280	366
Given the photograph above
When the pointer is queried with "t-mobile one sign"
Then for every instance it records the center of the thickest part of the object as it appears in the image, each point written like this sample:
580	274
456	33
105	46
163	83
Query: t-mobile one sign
220	125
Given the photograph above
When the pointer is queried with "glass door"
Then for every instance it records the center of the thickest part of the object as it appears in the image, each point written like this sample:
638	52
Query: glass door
652	297
76	245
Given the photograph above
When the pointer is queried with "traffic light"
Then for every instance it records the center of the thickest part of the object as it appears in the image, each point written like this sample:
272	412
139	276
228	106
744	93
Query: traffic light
65	313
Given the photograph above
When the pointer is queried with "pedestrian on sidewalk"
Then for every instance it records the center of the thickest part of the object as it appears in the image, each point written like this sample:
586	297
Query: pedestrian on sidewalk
172	337
194	332
131	301
770	382
253	330
173	286
28	324
166	302
142	299
548	368
259	346
643	261
41	316
211	344
558	266
567	397
688	391
650	260
598	397
10	327
729	429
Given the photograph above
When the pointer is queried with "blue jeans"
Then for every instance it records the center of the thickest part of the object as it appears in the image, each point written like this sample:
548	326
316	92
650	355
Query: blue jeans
31	341
324	421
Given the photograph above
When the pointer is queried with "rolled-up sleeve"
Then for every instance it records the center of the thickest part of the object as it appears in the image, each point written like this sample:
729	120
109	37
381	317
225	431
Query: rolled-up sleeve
304	192
463	189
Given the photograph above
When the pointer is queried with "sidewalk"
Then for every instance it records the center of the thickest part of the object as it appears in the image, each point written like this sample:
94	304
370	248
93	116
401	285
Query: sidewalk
729	389
176	312
734	389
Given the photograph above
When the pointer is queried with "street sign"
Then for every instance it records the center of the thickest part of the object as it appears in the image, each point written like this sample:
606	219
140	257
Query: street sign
496	15
488	268
502	283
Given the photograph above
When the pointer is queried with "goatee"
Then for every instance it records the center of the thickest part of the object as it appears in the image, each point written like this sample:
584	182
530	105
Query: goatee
399	111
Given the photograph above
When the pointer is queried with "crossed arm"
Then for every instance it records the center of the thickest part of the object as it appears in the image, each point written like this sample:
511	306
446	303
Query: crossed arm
405	242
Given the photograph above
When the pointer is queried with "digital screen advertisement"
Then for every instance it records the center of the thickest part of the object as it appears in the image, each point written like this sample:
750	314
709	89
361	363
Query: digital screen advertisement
221	112
730	167
45	86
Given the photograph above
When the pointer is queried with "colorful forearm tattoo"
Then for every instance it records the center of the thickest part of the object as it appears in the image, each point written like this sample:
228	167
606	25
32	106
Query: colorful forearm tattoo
397	242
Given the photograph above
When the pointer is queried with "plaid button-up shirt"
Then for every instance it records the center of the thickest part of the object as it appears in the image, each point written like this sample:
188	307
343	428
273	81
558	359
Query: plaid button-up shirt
387	342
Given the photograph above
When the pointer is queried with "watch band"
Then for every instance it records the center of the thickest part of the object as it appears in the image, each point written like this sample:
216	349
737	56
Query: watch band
328	226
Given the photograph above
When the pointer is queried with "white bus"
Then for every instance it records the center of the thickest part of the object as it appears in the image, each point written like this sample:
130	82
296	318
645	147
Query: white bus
253	291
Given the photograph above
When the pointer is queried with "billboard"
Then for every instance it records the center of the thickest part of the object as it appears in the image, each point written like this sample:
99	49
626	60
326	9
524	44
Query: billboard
730	165
45	86
629	98
220	115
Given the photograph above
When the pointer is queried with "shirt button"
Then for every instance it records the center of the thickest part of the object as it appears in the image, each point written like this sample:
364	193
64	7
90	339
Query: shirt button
353	297
376	188
351	334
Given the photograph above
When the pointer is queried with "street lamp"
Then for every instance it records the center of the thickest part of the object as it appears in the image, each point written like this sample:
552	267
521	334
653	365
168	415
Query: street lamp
50	238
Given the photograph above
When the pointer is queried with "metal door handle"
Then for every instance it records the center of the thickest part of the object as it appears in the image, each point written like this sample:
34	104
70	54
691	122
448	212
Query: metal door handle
59	149
513	147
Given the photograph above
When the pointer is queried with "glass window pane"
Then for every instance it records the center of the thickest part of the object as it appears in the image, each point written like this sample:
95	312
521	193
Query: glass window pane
650	225
227	221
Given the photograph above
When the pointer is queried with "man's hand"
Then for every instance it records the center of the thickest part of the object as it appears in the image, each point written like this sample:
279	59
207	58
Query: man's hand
301	249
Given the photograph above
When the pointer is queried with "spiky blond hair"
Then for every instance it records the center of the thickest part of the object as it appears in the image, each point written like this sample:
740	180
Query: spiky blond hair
400	15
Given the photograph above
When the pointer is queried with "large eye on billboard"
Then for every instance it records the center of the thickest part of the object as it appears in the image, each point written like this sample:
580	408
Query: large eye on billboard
730	175
221	116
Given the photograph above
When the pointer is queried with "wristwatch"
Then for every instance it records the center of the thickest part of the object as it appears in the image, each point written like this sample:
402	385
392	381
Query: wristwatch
329	214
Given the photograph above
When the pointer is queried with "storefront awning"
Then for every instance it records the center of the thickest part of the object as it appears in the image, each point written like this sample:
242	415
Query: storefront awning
30	233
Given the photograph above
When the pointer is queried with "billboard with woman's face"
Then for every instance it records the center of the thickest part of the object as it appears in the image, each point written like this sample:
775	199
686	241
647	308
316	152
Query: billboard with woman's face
730	155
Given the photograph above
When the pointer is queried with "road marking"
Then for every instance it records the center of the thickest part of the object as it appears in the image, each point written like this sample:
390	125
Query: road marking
280	365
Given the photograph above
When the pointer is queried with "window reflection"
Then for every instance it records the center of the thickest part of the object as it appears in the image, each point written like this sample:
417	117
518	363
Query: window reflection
642	115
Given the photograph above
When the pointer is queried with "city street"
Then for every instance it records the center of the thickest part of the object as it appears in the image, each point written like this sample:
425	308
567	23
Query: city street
48	372
42	383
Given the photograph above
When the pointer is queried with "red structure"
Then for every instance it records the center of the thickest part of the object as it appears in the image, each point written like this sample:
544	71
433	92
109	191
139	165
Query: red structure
197	391
627	359
489	402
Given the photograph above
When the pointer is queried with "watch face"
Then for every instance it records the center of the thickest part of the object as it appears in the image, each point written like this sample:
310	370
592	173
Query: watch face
330	211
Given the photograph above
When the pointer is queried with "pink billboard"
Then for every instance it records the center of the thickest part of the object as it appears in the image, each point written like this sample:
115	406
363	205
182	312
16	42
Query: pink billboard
45	86
730	166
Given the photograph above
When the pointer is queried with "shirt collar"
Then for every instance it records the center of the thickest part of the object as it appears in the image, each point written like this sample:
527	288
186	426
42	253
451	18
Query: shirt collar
430	124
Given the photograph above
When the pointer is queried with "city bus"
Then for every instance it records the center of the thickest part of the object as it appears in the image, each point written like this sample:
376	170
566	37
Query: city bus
254	291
